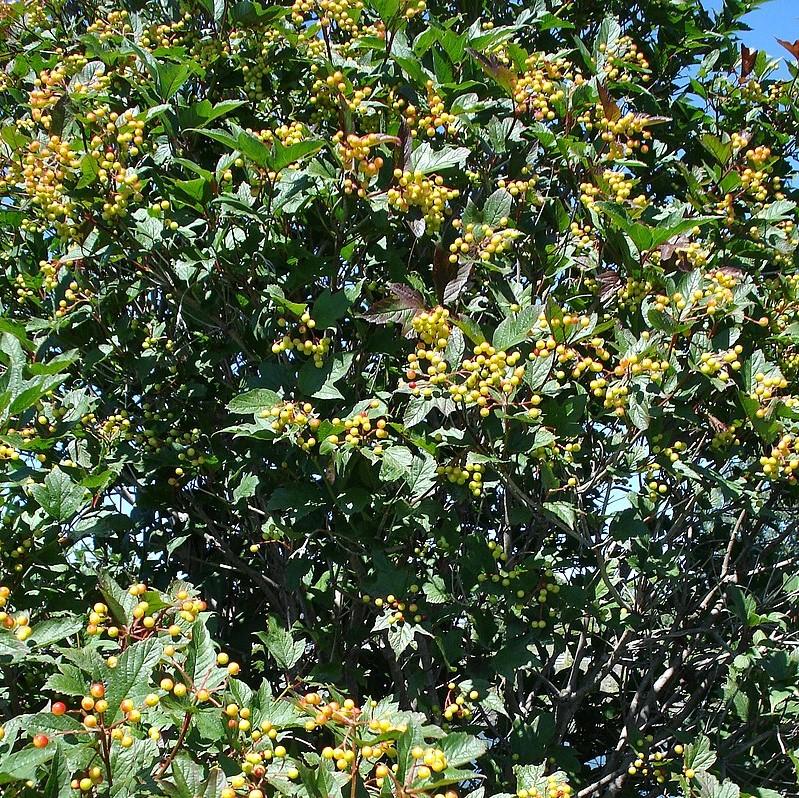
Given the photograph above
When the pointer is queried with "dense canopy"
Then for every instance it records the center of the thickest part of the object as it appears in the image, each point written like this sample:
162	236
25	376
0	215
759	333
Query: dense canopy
397	398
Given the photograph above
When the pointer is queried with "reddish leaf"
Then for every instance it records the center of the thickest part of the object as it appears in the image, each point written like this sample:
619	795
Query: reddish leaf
612	111
494	68
793	49
748	58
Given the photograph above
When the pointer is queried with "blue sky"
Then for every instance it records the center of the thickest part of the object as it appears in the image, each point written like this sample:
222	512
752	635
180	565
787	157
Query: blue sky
775	18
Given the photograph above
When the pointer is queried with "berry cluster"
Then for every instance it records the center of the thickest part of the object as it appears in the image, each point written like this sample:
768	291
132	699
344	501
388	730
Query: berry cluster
658	764
429	194
489	375
518	188
292	133
355	154
313	345
719	364
482	242
537	89
624	62
556	787
396	608
783	461
18	623
437	119
469	474
296	419
359	431
616	186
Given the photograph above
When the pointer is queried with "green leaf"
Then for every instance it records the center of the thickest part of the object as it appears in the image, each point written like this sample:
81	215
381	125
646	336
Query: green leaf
421	475
202	113
131	767
53	630
516	328
214	784
330	307
461	748
119	601
285	650
608	35
70	681
187	776
254	149
201	664
220	136
23	764
698	755
59	496
425	159
320	383
531	778
246	487
395	463
538	371
89	170
170	78
498	206
386	9
562	511
59	777
131	677
195	189
215	9
285	156
253	402
711	787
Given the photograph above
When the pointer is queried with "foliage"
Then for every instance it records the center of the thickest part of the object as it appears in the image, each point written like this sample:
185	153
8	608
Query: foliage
449	348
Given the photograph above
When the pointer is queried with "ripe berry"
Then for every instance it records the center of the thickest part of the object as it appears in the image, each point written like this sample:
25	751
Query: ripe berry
40	741
59	708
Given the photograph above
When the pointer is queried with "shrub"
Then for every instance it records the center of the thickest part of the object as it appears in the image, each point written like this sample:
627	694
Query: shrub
448	349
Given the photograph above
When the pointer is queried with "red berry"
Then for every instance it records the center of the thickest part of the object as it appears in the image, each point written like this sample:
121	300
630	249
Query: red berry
40	741
59	708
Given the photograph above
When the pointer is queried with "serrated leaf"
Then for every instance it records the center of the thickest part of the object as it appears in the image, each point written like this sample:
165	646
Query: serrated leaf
711	787
425	159
421	475
131	677
187	776
515	329
285	650
201	657
53	630
119	601
246	487
461	748
497	207
395	463
22	765
71	681
562	511
252	402
698	755
59	496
